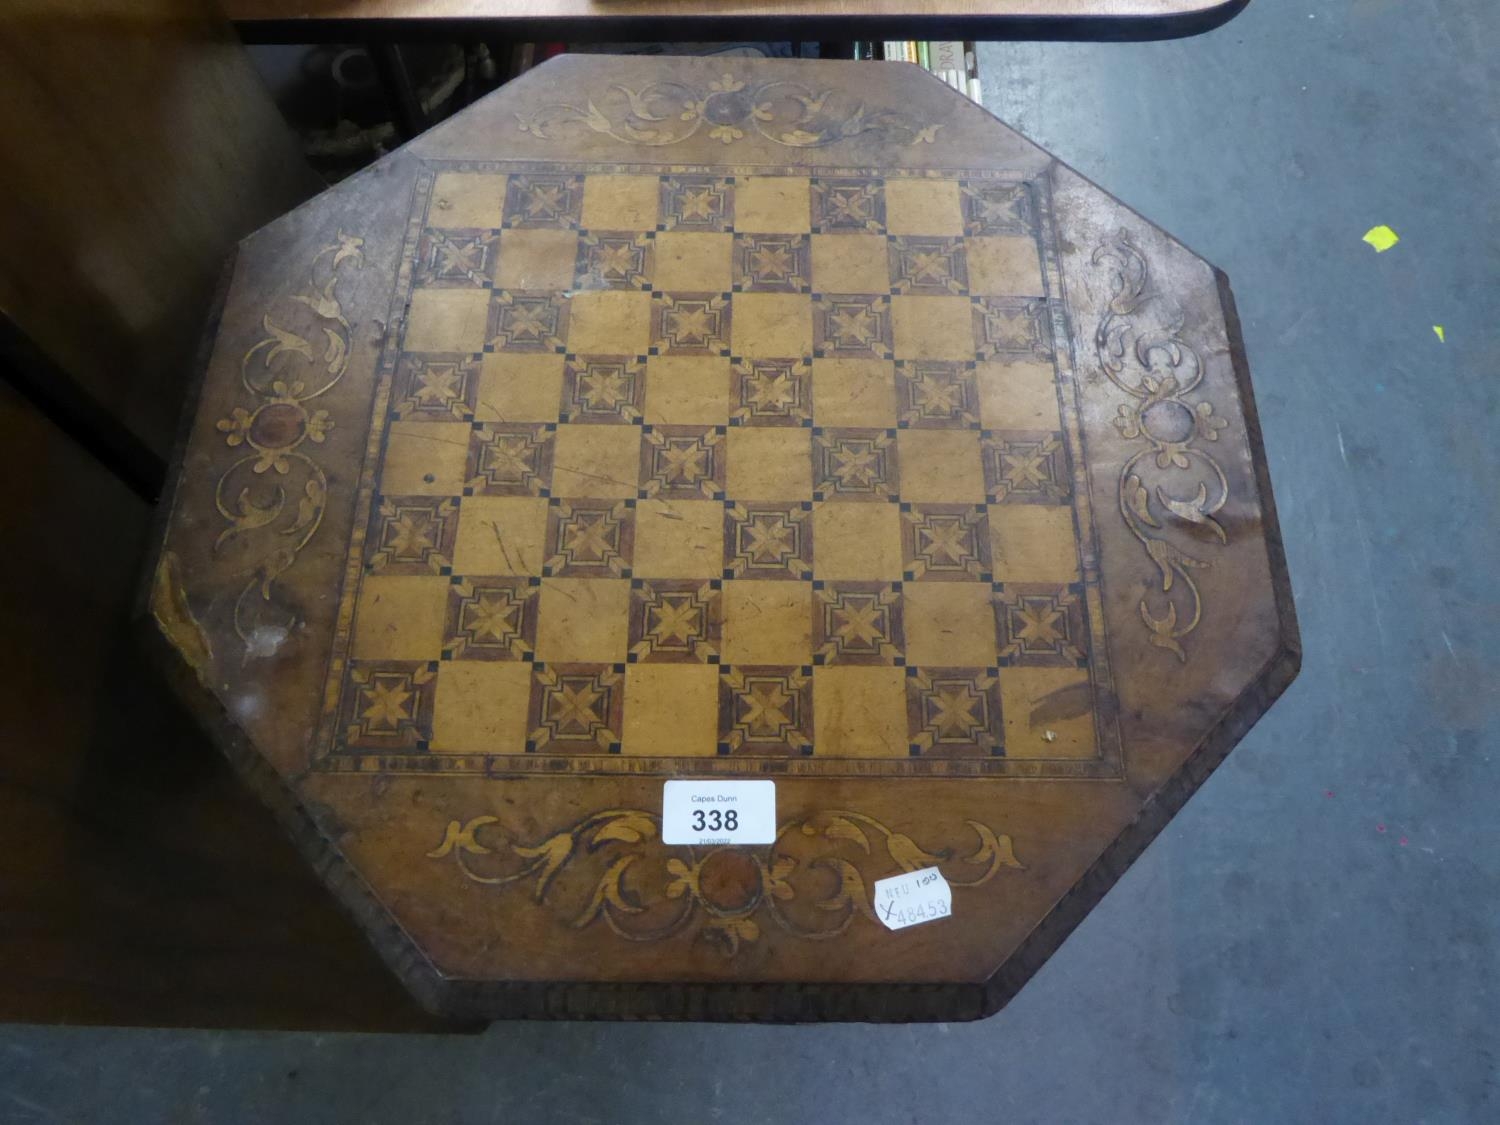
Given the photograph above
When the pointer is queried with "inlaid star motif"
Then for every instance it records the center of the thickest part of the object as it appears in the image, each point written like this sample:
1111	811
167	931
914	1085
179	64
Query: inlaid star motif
860	621
856	465
946	539
616	258
605	388
770	539
685	462
545	201
675	620
410	534
462	258
1041	625
493	616
765	711
998	209
929	266
510	456
388	705
530	321
437	385
993	210
697	203
579	708
1038	621
691	323
851	206
951	711
772	260
857	623
1025	468
938	399
574	706
772	392
590	536
852	324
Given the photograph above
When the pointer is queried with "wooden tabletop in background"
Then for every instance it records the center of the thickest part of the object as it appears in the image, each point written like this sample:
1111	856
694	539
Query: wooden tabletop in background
681	20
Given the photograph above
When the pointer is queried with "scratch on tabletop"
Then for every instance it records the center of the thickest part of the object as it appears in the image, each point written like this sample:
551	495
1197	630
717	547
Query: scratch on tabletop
434	437
500	541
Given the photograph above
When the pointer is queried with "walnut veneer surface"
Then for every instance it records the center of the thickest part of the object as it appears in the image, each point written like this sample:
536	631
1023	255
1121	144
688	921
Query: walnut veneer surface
691	418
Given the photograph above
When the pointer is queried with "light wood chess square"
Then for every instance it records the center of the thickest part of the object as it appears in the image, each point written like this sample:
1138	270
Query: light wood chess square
767	622
501	535
856	540
772	325
583	620
679	539
447	320
1004	265
609	323
772	205
926	327
769	463
687	390
854	392
426	458
949	623
467	199
480	705
597	461
860	712
1033	543
400	617
1042	702
1017	396
672	706
850	263
693	262
532	259
923	207
620	202
942	466
515	387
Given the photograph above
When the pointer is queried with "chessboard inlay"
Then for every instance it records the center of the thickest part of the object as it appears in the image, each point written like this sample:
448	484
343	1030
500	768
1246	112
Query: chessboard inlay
726	469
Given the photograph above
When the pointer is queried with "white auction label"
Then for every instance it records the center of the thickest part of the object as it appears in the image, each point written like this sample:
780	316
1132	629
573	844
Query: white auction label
718	812
913	898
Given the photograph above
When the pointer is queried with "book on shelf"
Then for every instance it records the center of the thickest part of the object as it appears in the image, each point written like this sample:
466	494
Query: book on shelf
950	59
953	61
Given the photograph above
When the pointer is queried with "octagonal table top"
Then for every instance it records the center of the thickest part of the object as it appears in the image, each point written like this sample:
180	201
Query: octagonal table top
736	420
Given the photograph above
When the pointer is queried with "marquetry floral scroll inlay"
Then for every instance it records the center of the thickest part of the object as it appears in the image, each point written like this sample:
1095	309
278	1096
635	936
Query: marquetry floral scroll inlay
812	883
1140	347
302	354
729	109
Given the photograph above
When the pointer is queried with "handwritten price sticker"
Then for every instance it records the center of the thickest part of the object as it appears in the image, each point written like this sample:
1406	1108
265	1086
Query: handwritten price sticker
718	812
913	898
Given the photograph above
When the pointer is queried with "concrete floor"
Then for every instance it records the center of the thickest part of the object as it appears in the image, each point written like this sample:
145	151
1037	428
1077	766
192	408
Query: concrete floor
1316	938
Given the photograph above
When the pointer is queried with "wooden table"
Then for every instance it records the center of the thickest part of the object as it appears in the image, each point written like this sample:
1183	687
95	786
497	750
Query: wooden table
714	419
624	21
